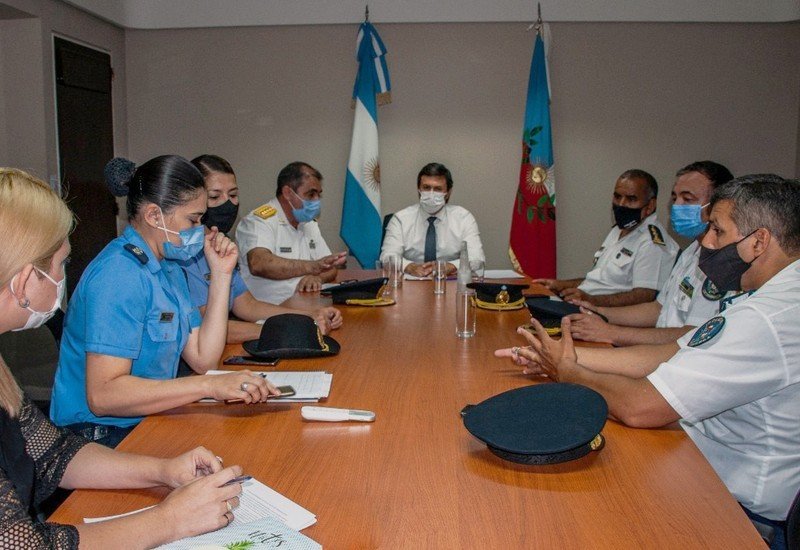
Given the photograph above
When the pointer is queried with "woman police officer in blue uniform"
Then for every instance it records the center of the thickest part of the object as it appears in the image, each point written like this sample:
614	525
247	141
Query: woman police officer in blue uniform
130	318
223	207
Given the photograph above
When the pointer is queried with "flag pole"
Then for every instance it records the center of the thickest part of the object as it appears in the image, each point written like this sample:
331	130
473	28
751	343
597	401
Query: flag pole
539	25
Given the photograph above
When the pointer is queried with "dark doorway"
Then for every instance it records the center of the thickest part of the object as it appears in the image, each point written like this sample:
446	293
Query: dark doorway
85	145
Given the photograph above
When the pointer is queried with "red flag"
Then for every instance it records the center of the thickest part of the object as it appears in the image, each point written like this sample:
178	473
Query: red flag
532	247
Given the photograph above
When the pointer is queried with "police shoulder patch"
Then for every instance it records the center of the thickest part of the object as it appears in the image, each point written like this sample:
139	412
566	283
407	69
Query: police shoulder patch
265	211
709	330
656	235
137	253
711	292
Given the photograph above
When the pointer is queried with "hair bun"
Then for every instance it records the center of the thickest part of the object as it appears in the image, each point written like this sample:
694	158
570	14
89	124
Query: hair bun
118	173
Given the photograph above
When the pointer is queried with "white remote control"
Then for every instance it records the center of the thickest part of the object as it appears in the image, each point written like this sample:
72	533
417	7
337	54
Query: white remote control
330	414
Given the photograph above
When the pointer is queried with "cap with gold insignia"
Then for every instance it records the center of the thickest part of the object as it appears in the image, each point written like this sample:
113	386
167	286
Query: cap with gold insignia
549	312
265	211
291	336
360	293
545	423
498	296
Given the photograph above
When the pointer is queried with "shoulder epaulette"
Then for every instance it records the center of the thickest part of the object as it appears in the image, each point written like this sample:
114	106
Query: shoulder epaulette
265	211
137	253
656	236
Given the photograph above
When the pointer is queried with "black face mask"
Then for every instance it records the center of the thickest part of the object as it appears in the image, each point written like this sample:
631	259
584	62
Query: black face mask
724	266
222	216
626	218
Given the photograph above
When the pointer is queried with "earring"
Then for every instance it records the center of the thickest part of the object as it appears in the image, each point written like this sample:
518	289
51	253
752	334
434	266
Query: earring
24	303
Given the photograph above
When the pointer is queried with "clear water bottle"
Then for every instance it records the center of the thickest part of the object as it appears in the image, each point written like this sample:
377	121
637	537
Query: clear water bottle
464	273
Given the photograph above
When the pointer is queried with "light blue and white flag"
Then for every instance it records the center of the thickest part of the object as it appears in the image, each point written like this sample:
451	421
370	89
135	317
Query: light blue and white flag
361	213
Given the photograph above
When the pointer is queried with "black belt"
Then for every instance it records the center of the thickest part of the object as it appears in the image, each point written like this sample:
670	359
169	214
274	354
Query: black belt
91	431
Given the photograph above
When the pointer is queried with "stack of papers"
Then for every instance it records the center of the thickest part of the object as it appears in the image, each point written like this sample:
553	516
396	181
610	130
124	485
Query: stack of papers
256	503
488	274
264	533
502	274
309	387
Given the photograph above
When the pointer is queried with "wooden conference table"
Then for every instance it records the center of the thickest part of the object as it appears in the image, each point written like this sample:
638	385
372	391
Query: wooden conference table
415	478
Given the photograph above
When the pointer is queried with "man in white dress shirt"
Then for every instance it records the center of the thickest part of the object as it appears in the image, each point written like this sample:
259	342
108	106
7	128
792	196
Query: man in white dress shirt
734	382
636	257
433	229
280	246
688	298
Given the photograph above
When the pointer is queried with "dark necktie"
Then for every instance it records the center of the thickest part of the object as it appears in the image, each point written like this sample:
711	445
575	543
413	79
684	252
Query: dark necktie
430	241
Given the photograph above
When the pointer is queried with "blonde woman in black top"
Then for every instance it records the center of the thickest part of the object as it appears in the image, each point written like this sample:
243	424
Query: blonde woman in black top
37	457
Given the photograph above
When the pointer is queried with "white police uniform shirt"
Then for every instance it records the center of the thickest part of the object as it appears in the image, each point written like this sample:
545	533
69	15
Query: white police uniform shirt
688	296
263	228
641	259
406	232
735	382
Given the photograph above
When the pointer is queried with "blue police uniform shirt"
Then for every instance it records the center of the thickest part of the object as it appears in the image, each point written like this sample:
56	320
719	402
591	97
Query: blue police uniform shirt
198	275
122	307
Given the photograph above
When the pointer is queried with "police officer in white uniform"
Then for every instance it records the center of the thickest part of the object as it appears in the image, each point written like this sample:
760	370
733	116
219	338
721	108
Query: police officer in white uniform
636	257
688	298
735	381
281	248
432	229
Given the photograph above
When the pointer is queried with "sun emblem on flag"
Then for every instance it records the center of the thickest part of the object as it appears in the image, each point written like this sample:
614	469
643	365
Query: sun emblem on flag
540	178
372	173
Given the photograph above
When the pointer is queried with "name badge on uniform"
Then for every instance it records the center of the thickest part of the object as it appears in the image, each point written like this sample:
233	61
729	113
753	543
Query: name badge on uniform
625	251
311	244
686	287
285	249
166	317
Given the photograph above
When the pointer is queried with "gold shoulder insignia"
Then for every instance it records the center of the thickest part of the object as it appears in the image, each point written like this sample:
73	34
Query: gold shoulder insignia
656	236
265	211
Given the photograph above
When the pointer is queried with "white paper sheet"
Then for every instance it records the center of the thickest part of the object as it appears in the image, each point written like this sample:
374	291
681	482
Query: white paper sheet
502	274
256	535
309	386
257	501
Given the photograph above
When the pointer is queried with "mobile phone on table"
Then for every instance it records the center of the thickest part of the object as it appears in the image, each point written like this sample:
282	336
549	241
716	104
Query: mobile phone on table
250	360
286	391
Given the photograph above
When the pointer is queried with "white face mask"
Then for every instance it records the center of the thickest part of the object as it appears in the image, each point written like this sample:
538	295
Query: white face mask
431	201
38	318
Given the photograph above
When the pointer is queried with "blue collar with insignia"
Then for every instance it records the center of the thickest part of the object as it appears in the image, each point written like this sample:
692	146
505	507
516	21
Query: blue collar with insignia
134	238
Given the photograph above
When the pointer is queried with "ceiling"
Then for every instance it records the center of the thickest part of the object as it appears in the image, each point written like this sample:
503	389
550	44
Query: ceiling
161	14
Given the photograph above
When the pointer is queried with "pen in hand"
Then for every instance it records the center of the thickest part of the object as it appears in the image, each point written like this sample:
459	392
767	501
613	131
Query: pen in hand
237	479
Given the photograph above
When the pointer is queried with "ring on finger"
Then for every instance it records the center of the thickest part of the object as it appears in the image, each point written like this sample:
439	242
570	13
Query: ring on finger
228	504
228	518
244	386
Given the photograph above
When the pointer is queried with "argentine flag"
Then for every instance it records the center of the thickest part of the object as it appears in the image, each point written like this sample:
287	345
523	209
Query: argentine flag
361	213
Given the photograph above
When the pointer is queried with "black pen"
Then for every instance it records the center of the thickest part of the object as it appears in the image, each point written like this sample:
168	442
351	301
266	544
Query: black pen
238	479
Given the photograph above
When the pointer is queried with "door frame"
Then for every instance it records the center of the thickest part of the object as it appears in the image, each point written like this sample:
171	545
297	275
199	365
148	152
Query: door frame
56	185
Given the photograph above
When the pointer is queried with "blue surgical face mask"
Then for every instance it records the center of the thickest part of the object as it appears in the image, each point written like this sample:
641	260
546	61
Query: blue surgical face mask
192	240
309	211
687	220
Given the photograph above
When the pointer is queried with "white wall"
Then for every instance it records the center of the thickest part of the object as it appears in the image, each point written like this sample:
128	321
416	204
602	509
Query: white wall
654	96
25	128
28	80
